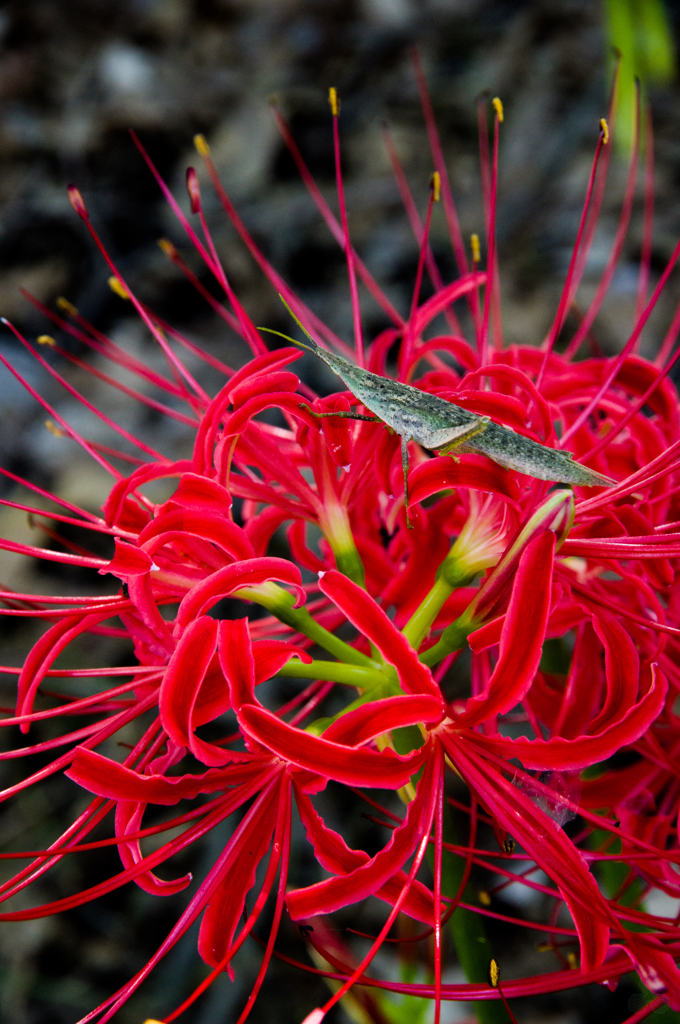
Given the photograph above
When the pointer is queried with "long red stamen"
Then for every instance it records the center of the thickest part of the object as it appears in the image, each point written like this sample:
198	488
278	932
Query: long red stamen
351	272
60	420
248	328
90	406
568	291
331	220
490	293
416	224
440	164
627	348
312	322
406	353
612	262
81	210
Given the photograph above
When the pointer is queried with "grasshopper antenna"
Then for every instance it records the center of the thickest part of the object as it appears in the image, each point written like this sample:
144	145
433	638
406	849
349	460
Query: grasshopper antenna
312	347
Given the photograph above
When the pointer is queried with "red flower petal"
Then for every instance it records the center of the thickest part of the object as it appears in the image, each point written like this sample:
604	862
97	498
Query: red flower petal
209	525
199	492
128	562
355	767
380	716
543	841
371	620
367	878
236	876
262	384
442	473
236	659
443	298
558	753
181	685
502	408
113	781
522	635
223	583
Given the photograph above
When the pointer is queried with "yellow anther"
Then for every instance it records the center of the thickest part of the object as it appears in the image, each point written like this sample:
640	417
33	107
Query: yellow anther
202	147
117	286
508	846
53	429
498	107
436	186
476	251
604	128
67	306
46	339
484	898
545	947
333	100
572	960
494	973
167	247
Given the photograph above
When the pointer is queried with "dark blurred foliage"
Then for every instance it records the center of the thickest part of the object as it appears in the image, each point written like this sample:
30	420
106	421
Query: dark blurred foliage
75	75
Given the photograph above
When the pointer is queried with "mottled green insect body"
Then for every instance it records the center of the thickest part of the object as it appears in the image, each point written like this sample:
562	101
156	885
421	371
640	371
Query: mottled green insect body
444	427
441	426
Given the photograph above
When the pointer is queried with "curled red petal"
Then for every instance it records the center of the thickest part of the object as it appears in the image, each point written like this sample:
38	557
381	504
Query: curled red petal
115	505
380	716
237	662
209	525
542	840
279	357
459	348
201	493
248	573
355	767
367	878
442	474
272	400
113	781
368	617
443	298
502	408
262	384
558	753
522	635
183	679
128	561
622	670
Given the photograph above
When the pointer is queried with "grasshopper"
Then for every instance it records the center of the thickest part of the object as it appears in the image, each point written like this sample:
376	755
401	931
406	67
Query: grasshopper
443	427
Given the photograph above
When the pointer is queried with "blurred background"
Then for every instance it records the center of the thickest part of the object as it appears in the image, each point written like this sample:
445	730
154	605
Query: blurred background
75	75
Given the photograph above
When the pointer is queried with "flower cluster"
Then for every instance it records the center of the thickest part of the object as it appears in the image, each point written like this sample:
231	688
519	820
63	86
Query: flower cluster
565	598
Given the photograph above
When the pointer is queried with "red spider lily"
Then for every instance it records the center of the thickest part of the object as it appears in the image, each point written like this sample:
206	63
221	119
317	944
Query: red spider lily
496	563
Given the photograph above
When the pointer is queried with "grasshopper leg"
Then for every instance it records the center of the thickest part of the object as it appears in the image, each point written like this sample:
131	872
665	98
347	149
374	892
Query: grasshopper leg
404	465
345	415
475	428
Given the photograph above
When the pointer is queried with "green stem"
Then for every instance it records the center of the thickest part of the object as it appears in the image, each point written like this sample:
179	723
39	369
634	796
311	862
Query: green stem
348	561
452	639
417	627
280	603
334	671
